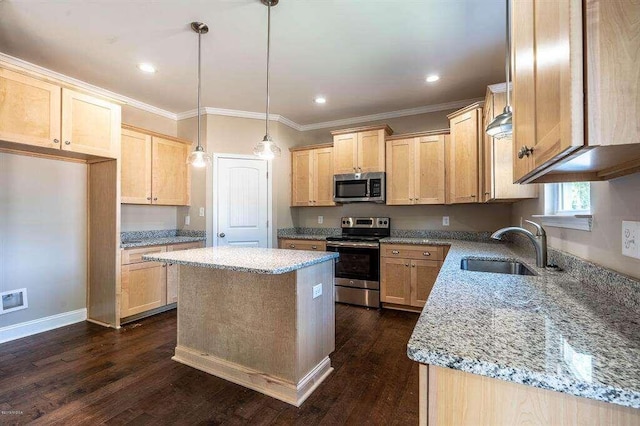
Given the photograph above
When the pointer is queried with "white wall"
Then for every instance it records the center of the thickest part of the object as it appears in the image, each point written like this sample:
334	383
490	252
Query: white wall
611	203
43	234
148	218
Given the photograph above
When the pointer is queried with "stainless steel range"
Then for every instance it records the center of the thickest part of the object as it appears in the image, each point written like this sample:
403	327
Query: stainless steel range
358	268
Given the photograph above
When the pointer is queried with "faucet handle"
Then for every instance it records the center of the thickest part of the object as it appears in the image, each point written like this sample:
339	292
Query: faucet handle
539	229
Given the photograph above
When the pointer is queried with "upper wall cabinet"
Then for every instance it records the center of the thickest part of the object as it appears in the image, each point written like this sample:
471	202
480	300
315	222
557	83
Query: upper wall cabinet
359	150
40	114
154	168
312	176
551	104
415	168
464	155
497	176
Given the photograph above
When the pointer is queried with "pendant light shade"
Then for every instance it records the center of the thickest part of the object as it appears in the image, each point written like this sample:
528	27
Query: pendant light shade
502	126
199	157
267	148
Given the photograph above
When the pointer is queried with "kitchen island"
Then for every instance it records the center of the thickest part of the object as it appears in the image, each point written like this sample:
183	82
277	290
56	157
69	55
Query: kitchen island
261	318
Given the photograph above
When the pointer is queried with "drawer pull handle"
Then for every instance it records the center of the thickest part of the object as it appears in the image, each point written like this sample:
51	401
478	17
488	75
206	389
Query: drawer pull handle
395	252
292	245
314	247
426	253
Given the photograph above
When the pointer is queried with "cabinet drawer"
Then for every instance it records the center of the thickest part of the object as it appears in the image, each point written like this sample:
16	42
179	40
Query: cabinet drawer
185	246
315	245
412	252
134	255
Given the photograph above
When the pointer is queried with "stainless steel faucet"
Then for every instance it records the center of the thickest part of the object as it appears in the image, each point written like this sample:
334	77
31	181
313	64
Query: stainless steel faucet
539	240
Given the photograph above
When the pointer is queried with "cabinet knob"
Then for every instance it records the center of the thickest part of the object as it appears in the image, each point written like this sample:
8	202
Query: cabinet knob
395	252
487	193
406	264
525	151
221	235
67	142
413	265
164	265
354	169
149	198
426	253
314	247
473	196
155	198
171	264
292	246
56	141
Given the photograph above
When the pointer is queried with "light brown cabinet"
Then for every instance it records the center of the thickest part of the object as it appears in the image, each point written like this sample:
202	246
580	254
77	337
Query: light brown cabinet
37	113
497	176
154	168
293	244
148	285
360	150
312	176
554	45
408	273
464	159
415	168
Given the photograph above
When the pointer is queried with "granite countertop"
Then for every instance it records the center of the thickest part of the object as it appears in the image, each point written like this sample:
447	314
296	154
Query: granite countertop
548	331
304	237
157	241
415	241
245	259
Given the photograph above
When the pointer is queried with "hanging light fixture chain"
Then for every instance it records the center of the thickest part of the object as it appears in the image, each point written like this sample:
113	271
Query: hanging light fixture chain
508	55
268	57
199	72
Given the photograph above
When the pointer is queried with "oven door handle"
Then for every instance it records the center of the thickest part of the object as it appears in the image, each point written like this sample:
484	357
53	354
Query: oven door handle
352	245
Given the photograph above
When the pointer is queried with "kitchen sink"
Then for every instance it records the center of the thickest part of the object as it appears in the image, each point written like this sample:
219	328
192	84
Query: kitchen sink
511	267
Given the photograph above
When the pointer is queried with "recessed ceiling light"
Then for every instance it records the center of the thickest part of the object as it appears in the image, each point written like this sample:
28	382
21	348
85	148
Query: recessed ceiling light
433	78
320	100
147	68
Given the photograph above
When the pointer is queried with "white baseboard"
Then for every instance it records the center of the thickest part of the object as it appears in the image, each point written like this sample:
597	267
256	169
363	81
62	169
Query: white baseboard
40	325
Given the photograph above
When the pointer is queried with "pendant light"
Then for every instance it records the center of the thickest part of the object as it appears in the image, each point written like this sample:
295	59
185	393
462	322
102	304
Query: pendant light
267	149
502	126
199	157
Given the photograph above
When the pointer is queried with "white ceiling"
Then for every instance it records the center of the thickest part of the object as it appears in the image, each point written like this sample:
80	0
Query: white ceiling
365	56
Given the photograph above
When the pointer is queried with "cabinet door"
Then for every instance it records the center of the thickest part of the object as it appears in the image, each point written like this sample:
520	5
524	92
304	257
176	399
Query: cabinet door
144	287
29	110
301	183
345	153
400	171
395	281
90	125
429	170
463	158
371	151
547	76
423	277
171	178
322	177
136	167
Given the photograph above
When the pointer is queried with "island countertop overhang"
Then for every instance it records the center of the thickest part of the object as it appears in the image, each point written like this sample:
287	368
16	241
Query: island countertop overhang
244	259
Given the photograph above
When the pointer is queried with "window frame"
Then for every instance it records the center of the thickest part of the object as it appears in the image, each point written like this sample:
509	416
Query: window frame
555	217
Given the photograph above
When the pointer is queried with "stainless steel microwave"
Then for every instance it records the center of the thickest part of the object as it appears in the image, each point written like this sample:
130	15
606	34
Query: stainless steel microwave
359	187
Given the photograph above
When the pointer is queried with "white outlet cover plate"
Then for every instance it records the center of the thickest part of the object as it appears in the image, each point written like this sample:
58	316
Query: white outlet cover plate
320	219
631	239
445	220
187	220
317	290
201	211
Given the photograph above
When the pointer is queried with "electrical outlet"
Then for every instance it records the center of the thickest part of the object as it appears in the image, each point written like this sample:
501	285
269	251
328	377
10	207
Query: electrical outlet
445	220
201	211
631	239
187	220
317	290
320	219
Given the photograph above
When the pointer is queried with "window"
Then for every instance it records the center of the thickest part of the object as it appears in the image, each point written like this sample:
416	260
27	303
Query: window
567	205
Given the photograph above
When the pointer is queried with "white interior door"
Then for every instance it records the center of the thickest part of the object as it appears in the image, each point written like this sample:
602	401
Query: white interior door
241	202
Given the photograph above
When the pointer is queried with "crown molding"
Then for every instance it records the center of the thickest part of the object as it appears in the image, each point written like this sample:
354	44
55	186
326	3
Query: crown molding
45	72
28	66
390	114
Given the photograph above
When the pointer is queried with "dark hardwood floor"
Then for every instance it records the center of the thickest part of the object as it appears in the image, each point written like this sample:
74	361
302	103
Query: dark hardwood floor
87	374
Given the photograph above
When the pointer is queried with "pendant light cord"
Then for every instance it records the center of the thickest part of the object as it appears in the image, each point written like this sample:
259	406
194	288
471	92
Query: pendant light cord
508	55
199	68
268	54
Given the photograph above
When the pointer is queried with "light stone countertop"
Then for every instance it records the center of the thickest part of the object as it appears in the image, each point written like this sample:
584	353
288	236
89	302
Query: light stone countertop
304	237
159	241
245	259
548	331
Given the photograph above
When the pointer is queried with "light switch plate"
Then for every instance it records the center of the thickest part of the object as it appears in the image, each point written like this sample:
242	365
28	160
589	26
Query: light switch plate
187	220
201	211
320	219
630	239
317	290
445	220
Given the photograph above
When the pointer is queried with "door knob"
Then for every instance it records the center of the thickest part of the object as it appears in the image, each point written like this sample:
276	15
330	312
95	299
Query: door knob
221	235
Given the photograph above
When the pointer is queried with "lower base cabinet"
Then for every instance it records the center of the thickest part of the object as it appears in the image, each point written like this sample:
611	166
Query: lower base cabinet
149	285
406	276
